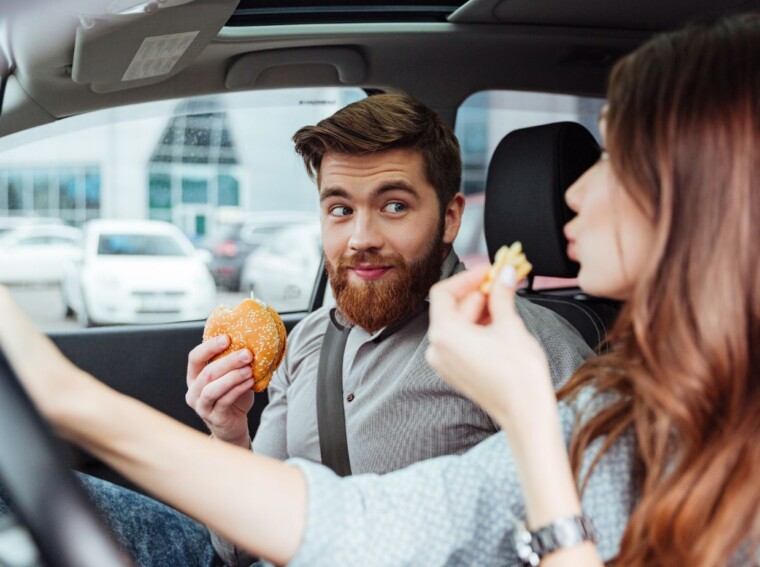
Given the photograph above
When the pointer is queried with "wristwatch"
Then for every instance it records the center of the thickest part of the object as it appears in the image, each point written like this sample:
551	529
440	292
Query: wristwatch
532	546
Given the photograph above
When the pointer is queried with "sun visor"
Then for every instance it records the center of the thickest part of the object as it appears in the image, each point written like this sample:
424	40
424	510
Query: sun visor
342	65
143	42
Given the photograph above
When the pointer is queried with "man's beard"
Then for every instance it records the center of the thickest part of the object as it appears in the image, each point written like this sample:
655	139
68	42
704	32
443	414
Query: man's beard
373	305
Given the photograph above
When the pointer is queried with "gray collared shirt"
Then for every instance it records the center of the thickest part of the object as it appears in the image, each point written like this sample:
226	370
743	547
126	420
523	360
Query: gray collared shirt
398	410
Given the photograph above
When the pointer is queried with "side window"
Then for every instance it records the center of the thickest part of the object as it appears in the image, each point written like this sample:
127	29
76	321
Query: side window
482	122
214	177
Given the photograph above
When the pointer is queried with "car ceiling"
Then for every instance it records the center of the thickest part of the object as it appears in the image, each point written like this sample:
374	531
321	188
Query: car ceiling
69	56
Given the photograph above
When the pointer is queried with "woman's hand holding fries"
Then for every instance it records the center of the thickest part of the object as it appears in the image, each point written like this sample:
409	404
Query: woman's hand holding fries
479	344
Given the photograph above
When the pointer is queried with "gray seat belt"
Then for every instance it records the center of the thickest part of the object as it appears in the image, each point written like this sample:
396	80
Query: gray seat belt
331	417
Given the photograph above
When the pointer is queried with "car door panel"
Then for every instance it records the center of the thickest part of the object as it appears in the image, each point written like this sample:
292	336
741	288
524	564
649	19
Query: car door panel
148	363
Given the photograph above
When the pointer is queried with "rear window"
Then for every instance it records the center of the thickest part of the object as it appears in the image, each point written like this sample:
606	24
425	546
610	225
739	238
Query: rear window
482	121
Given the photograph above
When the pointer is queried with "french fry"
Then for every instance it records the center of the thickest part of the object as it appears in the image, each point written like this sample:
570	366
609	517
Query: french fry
512	255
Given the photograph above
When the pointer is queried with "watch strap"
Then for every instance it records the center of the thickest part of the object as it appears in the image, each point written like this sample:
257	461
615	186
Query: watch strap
562	533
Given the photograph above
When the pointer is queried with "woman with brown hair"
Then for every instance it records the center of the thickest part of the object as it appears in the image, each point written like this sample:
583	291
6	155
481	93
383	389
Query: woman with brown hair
669	221
663	431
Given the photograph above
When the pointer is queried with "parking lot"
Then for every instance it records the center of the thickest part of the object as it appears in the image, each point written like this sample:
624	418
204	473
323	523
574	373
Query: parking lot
44	305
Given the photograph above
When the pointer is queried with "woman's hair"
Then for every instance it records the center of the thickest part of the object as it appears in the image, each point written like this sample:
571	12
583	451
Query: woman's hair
385	122
683	134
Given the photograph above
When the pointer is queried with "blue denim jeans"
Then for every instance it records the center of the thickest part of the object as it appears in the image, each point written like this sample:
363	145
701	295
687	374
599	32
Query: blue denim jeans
153	534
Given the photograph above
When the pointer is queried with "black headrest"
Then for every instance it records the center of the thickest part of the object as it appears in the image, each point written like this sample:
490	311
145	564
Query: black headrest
527	178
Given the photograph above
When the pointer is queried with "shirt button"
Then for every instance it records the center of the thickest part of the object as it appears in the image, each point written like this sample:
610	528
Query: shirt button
350	398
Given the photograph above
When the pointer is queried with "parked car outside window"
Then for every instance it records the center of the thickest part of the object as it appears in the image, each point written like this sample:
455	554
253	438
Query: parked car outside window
283	269
8	223
38	254
236	240
138	272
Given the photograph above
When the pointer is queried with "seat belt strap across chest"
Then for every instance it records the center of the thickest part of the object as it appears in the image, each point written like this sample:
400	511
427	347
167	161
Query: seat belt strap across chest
331	417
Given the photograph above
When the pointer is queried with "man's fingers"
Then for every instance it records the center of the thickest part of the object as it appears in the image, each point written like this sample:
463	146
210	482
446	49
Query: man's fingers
210	395
229	400
214	370
201	354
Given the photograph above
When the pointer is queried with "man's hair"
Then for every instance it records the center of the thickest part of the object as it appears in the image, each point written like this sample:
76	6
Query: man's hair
386	122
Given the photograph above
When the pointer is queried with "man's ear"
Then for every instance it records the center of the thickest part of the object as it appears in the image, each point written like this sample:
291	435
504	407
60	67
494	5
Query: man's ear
453	218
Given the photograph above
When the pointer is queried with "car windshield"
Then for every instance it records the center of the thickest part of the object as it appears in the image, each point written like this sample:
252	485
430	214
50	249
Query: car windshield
219	168
139	245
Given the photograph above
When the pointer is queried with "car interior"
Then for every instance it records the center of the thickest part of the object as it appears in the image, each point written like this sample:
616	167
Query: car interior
64	58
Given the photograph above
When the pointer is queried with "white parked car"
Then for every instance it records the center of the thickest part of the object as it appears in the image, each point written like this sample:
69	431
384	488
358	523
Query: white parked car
281	272
138	272
38	254
15	222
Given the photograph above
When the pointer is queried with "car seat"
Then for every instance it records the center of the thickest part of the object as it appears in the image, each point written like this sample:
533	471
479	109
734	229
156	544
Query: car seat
527	177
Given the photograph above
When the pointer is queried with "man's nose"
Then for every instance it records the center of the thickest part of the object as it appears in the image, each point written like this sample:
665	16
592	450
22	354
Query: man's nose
365	233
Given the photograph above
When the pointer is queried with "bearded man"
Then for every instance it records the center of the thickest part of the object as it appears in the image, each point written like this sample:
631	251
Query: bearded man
388	171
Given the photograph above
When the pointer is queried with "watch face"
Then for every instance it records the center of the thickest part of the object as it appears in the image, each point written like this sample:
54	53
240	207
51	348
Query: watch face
567	534
564	532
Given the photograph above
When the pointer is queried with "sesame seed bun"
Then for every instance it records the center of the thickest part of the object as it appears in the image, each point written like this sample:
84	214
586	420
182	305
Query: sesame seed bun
255	326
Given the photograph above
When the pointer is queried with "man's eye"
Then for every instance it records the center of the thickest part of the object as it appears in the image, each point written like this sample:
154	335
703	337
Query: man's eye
340	211
395	207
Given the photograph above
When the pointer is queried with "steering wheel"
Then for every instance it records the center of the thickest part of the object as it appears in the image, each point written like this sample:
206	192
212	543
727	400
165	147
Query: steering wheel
43	491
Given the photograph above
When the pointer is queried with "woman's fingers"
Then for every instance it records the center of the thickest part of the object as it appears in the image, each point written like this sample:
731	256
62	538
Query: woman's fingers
473	307
464	282
501	301
446	295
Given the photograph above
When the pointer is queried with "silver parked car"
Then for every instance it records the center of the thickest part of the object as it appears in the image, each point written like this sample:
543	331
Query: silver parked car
282	270
235	240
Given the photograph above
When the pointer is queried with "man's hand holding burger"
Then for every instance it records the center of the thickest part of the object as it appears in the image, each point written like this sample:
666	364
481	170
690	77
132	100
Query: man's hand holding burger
221	391
240	352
